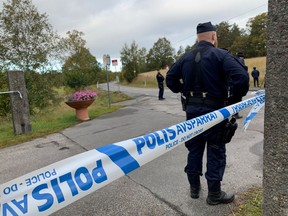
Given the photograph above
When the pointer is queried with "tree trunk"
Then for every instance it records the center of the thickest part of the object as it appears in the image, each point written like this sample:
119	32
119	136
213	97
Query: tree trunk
275	173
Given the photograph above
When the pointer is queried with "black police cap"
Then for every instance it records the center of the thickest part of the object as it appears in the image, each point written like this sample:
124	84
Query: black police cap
240	54
205	27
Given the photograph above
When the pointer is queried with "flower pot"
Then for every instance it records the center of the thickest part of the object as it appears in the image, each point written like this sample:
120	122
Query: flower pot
81	108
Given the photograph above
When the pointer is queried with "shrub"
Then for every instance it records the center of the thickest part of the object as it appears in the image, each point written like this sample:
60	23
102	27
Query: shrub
41	95
4	98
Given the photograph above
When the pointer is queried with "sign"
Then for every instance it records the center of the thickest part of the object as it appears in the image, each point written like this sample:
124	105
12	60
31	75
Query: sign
114	62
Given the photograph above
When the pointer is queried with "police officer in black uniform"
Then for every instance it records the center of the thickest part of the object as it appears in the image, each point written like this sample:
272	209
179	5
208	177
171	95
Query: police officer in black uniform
201	76
160	80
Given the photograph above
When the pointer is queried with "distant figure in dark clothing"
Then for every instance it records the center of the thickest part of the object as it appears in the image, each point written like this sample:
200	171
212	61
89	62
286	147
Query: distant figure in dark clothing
160	79
255	74
240	56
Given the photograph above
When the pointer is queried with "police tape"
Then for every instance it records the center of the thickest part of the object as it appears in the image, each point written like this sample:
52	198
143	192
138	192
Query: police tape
53	187
255	109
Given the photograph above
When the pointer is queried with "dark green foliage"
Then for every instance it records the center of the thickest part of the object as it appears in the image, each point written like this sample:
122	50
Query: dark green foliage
231	37
132	58
76	79
258	35
160	55
129	72
80	68
41	95
4	98
55	78
252	42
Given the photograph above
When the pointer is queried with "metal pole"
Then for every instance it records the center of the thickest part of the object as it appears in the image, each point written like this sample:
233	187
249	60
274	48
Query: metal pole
109	101
107	77
10	92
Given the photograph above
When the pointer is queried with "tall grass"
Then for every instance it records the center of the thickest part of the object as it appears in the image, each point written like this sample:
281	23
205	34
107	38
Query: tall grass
148	79
260	64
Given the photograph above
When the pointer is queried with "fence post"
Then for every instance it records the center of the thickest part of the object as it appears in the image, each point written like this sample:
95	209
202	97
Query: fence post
19	106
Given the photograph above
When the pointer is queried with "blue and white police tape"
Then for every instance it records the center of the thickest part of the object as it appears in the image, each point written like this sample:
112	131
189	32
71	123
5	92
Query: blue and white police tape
255	109
53	187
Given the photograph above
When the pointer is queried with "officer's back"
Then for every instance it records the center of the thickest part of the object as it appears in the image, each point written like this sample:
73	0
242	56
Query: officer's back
218	67
203	76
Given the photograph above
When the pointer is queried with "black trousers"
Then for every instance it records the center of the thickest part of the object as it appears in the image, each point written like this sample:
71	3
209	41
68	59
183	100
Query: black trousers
216	153
161	92
256	80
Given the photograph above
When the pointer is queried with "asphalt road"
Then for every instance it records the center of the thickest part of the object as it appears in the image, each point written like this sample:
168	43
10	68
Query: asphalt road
159	187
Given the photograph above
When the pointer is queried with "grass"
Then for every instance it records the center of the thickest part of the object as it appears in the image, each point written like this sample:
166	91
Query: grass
148	79
260	64
60	117
249	203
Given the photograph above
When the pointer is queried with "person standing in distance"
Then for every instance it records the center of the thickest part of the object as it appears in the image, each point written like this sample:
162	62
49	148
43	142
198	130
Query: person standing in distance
255	74
202	76
240	56
160	79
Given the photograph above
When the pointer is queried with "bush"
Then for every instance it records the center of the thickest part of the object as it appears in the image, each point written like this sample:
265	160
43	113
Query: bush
4	98
41	95
77	79
129	72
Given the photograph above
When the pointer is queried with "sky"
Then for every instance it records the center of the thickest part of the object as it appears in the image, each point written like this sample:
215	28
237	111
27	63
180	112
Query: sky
109	24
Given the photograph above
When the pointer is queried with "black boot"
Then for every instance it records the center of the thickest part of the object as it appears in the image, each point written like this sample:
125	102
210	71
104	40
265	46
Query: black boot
194	192
215	198
195	185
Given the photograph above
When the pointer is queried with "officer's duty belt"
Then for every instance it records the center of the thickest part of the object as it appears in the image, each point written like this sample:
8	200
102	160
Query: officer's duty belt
206	101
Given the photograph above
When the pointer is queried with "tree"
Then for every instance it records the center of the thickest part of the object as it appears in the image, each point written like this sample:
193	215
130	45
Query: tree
179	53
240	44
257	40
231	37
223	35
72	44
131	58
27	39
239	40
27	43
160	55
142	53
275	169
80	68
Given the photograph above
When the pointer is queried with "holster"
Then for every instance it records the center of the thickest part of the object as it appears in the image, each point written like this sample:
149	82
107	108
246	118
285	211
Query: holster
229	130
183	102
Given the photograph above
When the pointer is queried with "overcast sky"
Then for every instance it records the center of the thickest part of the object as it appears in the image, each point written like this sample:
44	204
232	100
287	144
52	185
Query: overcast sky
109	24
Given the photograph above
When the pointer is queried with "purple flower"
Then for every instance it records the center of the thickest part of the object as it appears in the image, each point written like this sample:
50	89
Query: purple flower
82	95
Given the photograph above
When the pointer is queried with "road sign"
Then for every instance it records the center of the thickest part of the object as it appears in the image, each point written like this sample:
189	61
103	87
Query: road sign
114	62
